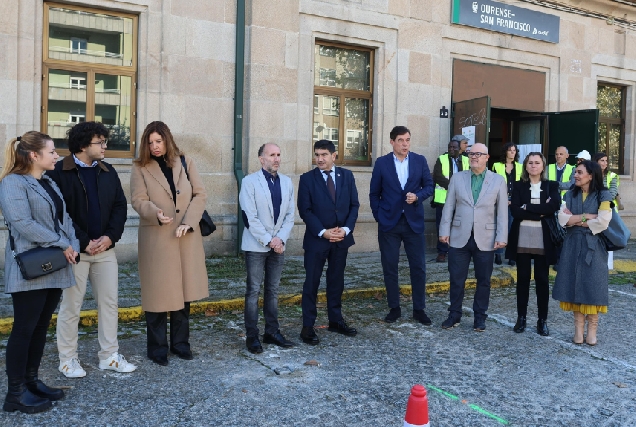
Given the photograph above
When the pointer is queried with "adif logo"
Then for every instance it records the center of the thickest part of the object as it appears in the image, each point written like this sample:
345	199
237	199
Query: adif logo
475	7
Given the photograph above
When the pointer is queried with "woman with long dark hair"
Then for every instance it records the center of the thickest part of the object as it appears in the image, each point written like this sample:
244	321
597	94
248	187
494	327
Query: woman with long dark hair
36	216
509	167
534	199
581	283
170	201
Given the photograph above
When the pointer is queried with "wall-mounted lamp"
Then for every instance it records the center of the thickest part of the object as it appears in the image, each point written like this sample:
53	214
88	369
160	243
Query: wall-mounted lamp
443	112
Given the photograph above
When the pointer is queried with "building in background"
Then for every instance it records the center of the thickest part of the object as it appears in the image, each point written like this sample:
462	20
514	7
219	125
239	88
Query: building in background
542	73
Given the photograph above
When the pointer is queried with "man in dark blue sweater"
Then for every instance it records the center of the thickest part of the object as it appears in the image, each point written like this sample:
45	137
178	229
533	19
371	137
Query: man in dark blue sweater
97	205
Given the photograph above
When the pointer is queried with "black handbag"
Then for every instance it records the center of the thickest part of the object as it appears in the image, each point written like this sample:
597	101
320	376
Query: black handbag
40	261
206	225
616	235
557	233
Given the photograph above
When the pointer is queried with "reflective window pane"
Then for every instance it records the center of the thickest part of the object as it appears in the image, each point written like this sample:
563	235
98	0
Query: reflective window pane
113	108
356	129
326	118
76	35
66	103
342	68
610	101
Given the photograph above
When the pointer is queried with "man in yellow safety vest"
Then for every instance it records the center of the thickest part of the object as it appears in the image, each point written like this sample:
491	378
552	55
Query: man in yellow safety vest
446	165
561	171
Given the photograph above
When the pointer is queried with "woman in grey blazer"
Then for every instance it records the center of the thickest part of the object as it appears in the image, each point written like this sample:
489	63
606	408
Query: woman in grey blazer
32	205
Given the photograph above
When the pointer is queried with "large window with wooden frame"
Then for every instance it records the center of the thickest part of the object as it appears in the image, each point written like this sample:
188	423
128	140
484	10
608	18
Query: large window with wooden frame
89	73
343	100
610	100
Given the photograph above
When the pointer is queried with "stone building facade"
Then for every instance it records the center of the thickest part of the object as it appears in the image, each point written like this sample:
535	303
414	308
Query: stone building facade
346	70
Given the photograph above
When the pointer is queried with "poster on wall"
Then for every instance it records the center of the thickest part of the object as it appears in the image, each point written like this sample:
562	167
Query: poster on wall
504	18
469	132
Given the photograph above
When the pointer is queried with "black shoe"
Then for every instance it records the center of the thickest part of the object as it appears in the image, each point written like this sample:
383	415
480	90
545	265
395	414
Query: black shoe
393	315
479	325
421	317
520	326
37	387
342	328
498	260
309	336
278	339
40	389
450	322
542	327
160	360
182	354
19	398
511	262
253	345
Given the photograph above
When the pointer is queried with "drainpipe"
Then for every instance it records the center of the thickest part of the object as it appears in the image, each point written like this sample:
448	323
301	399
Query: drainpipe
239	83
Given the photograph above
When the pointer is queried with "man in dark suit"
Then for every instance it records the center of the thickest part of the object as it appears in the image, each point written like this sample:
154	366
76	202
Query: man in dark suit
400	183
328	204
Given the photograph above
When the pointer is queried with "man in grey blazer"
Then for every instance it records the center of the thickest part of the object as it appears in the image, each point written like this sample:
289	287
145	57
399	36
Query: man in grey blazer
267	204
474	223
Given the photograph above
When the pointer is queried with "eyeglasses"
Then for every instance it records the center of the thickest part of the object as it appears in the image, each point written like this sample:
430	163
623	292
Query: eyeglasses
103	143
478	155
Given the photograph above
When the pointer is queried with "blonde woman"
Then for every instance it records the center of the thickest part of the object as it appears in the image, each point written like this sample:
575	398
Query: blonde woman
36	216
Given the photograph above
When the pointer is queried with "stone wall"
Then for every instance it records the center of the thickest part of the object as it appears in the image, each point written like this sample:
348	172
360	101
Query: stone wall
186	78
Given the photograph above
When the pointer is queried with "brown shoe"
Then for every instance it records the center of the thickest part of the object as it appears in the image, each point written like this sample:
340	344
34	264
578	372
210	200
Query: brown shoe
440	258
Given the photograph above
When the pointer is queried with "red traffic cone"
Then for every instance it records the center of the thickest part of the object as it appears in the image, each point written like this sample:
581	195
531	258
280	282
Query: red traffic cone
417	408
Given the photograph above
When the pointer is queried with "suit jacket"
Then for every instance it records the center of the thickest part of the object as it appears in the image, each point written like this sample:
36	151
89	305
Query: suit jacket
319	212
521	196
387	197
258	212
29	213
488	218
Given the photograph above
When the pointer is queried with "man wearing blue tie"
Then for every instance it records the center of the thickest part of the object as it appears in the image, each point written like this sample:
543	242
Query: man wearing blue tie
328	204
400	182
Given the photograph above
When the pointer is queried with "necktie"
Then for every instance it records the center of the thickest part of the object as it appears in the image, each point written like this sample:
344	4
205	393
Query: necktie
331	187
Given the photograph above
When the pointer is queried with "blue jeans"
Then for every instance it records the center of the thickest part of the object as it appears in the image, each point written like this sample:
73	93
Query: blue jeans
458	263
414	246
270	266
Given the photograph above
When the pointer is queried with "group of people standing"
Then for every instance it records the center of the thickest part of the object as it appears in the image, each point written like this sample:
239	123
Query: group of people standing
78	205
535	192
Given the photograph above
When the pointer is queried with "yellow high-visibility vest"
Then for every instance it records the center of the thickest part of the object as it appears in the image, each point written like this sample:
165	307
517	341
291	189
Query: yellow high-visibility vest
500	168
567	174
610	177
440	192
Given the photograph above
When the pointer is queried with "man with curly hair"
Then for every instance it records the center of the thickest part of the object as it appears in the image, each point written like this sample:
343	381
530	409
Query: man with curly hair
97	205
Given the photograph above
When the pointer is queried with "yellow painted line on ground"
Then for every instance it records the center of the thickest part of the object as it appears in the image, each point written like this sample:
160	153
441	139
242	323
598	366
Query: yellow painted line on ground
133	314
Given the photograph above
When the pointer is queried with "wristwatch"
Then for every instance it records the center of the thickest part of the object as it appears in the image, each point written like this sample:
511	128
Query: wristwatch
583	219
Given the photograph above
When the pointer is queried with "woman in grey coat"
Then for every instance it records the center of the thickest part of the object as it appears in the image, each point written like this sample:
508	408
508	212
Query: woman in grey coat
35	214
581	283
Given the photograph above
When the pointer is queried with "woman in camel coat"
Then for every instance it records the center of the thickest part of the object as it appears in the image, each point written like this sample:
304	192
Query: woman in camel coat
172	267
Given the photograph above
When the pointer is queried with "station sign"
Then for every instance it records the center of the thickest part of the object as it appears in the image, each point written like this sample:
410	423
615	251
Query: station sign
505	18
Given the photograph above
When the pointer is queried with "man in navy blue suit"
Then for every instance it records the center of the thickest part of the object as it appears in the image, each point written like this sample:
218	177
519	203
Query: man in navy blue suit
400	183
328	204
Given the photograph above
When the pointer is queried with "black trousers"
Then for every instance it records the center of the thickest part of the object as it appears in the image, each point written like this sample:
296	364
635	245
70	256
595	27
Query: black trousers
32	311
541	273
314	263
157	331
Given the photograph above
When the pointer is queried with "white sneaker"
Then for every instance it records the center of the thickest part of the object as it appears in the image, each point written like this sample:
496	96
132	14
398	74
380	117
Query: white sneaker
72	368
116	362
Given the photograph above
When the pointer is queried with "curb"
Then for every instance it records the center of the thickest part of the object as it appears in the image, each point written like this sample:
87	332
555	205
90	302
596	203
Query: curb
133	314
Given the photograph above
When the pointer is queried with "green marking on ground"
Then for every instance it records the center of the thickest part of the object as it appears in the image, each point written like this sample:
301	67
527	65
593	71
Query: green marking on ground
470	405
